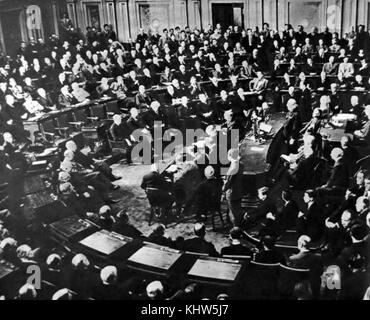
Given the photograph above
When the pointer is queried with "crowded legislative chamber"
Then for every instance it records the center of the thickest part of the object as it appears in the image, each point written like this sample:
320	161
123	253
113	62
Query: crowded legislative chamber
270	200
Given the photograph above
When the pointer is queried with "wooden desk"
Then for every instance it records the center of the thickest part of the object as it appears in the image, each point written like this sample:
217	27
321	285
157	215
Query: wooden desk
333	134
257	158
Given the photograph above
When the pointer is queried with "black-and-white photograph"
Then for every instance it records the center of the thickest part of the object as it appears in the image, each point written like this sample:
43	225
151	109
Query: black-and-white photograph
171	150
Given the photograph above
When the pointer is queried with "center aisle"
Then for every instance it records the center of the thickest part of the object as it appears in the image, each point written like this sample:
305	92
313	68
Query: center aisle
133	199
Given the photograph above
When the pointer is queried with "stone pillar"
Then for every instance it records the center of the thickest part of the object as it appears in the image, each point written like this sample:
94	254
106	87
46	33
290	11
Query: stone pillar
123	21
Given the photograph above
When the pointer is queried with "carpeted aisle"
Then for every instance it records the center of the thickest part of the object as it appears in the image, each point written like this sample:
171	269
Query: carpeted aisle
133	199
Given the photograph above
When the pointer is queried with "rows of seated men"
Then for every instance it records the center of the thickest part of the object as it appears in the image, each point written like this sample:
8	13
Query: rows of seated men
75	74
190	66
67	276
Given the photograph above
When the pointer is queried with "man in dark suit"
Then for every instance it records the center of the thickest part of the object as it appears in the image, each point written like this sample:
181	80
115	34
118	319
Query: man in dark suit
105	218
90	163
268	253
330	68
208	194
292	127
350	155
356	255
108	288
311	223
157	188
267	205
198	243
182	75
233	186
204	110
292	94
339	177
143	99
286	217
363	135
134	122
123	226
154	114
132	83
250	42
306	259
300	171
118	130
236	248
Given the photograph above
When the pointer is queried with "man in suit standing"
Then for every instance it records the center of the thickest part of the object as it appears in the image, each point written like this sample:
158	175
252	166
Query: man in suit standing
306	259
198	243
311	223
236	248
292	127
233	187
249	42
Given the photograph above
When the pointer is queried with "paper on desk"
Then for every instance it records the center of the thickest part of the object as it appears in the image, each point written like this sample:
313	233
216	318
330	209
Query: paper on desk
47	152
172	168
257	149
39	162
35	118
285	157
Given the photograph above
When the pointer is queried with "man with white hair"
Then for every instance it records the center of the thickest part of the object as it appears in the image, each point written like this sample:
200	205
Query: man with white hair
54	271
91	163
155	290
16	158
123	226
79	93
62	294
27	292
325	106
143	99
108	289
233	186
81	278
339	178
198	243
65	98
44	99
204	110
307	259
117	130
356	108
82	180
208	194
292	126
154	117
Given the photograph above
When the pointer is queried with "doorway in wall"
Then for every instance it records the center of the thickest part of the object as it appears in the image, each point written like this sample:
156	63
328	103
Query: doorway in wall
228	14
10	23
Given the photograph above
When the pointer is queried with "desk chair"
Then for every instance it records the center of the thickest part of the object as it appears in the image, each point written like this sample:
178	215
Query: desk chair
157	209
